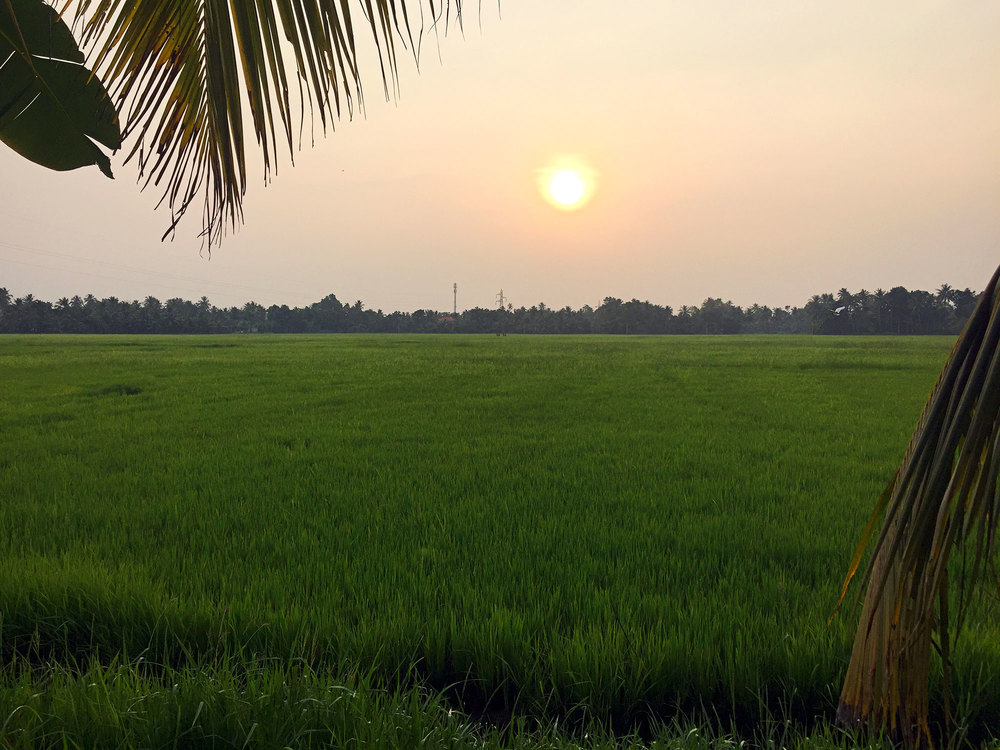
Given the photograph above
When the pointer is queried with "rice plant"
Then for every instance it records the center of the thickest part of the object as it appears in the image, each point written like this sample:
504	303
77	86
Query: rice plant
583	531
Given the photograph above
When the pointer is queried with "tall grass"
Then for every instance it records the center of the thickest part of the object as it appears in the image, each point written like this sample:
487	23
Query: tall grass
582	530
289	706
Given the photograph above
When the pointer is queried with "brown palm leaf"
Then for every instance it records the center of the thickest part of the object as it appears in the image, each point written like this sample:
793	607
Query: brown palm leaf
181	71
944	495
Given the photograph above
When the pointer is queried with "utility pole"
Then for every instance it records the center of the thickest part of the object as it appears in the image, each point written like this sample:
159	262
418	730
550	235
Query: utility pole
502	323
455	291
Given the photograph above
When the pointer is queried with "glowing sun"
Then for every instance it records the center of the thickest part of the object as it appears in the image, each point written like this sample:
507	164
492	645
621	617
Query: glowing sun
568	184
566	187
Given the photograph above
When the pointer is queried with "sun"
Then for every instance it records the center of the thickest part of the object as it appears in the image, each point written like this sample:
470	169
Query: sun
568	183
566	187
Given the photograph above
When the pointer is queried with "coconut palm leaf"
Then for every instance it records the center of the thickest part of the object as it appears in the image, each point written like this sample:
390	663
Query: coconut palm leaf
181	72
944	496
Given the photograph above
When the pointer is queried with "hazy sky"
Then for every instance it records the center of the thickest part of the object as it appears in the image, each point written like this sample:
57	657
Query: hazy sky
758	152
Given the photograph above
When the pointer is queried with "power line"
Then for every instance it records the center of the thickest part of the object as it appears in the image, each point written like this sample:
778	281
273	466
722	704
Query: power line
158	275
93	274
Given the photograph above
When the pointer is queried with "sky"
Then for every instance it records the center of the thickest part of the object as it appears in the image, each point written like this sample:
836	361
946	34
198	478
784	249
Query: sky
757	152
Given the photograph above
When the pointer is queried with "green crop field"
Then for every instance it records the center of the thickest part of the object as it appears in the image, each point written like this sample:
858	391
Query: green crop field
207	537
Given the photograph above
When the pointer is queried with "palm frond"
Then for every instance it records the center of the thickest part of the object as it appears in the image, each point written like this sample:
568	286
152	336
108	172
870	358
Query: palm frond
944	495
181	71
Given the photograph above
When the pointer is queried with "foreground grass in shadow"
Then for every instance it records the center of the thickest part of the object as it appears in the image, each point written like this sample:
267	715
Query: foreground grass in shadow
272	706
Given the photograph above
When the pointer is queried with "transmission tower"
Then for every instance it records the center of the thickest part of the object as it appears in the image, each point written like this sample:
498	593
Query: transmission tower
455	292
500	299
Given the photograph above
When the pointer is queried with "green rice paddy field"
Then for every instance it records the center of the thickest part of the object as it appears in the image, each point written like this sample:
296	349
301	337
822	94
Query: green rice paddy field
212	541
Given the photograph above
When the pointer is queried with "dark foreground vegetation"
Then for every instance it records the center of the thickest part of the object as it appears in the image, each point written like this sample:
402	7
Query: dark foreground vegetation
446	541
895	312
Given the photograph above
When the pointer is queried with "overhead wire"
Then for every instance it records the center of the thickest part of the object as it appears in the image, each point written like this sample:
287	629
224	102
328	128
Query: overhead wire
158	275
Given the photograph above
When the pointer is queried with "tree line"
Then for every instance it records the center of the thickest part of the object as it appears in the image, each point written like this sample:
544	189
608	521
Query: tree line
897	311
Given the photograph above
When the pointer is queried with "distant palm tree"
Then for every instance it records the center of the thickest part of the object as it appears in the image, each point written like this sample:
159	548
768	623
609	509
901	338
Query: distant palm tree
946	295
879	296
180	72
944	495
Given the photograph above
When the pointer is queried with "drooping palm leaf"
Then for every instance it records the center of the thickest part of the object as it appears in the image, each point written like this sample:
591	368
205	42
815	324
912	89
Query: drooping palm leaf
181	72
945	494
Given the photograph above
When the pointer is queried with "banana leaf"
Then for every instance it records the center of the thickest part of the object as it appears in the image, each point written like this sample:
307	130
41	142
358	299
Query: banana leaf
52	107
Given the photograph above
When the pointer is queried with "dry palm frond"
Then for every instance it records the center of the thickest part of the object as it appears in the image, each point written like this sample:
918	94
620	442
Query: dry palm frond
180	72
944	494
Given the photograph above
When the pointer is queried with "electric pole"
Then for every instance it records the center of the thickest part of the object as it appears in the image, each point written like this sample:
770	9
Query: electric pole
455	292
